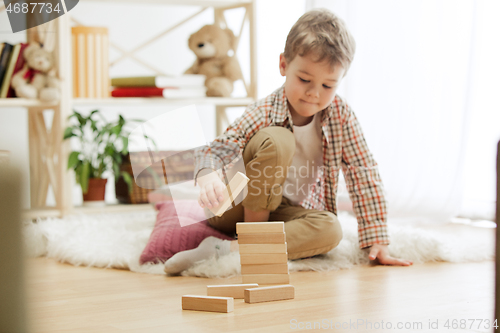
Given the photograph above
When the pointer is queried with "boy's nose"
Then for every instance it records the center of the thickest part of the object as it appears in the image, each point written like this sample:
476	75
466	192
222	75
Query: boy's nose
313	92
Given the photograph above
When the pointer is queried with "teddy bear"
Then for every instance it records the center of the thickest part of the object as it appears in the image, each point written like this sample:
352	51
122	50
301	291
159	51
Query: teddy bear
211	45
37	79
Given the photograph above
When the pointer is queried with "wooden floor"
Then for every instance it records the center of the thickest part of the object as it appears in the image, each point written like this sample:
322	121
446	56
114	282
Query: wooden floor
64	298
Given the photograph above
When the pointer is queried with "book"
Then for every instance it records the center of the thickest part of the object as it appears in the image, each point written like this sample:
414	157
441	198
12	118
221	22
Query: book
160	81
4	59
14	55
167	92
19	66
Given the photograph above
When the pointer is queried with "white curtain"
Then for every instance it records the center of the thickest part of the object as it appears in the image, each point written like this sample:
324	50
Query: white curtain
422	91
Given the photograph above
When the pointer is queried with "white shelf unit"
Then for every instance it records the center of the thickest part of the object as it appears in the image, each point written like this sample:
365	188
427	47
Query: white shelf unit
48	153
23	102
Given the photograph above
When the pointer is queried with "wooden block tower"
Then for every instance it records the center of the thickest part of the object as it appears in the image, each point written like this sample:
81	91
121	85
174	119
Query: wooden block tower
264	260
263	254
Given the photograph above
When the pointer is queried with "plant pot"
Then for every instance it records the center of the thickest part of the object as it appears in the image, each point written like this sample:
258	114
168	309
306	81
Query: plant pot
96	192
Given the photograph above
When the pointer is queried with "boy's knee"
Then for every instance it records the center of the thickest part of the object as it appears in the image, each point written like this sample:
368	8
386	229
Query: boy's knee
317	233
275	140
278	134
331	230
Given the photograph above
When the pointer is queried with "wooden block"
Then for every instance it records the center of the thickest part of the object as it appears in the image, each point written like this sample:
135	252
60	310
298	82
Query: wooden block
264	269
207	303
268	294
230	290
235	186
266	278
271	238
260	259
259	227
262	248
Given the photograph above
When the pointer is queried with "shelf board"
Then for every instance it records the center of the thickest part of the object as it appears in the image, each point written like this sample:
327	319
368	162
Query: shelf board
109	208
202	3
23	102
243	101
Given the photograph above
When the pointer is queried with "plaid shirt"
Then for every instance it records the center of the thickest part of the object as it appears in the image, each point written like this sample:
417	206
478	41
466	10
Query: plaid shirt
344	147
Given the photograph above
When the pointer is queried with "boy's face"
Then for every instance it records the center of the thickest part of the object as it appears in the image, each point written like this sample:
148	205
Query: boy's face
310	86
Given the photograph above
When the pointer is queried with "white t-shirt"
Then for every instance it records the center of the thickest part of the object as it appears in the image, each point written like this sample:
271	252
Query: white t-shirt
307	159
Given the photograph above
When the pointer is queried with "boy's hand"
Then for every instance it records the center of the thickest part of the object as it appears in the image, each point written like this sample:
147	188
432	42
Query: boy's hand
381	252
211	188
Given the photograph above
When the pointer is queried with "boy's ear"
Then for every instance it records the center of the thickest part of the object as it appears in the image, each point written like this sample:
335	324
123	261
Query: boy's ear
283	64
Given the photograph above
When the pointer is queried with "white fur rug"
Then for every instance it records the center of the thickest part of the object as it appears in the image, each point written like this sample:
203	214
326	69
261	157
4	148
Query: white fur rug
117	240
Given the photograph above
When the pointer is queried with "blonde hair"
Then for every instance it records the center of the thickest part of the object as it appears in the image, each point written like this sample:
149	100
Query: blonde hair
321	33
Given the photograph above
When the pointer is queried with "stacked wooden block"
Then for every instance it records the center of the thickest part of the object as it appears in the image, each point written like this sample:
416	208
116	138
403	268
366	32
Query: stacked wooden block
221	298
264	260
263	253
235	186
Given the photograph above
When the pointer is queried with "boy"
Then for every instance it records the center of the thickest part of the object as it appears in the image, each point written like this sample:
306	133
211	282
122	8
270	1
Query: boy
302	126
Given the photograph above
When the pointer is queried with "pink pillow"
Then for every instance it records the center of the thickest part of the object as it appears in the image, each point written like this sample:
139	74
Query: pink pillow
168	237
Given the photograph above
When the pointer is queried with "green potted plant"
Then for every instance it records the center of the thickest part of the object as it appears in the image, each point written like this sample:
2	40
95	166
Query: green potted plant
102	147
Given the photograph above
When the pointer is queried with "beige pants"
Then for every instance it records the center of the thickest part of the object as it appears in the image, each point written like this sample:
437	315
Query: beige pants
308	232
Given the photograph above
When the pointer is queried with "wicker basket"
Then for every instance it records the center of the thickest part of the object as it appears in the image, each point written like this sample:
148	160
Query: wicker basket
179	166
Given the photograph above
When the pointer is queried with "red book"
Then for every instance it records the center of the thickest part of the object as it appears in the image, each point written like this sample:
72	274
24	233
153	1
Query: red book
168	92
19	65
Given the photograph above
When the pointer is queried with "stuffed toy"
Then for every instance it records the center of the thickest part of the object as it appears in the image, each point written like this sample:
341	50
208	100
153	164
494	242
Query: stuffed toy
211	45
37	78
